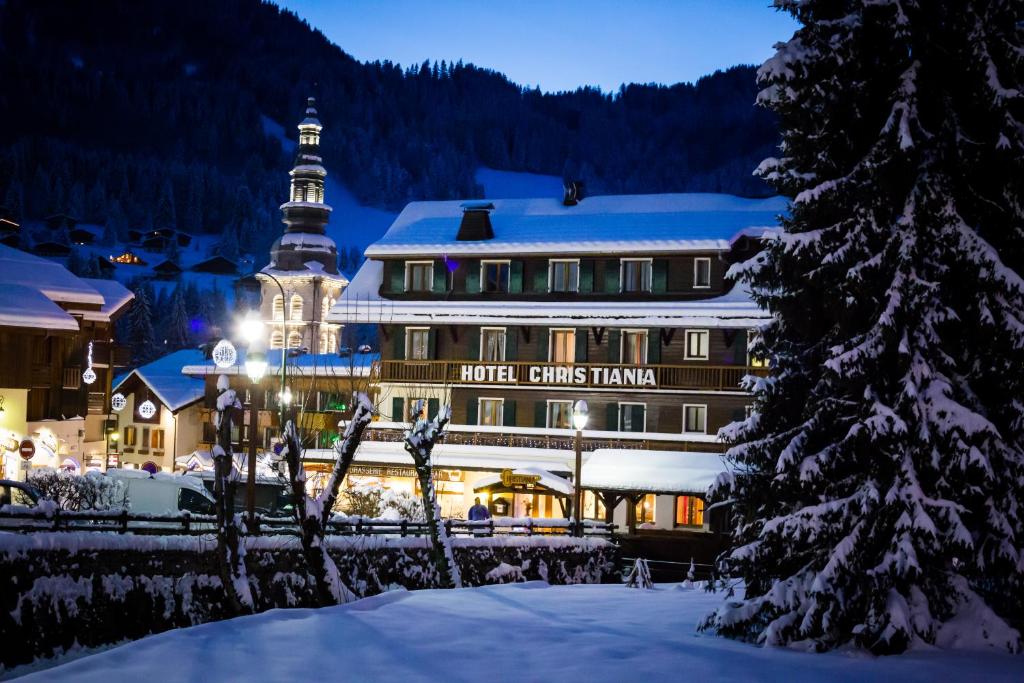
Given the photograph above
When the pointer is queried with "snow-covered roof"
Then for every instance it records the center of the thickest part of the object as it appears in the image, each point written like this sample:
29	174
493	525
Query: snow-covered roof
115	297
52	279
362	303
651	471
310	269
305	364
457	456
615	224
164	376
547	480
22	306
308	241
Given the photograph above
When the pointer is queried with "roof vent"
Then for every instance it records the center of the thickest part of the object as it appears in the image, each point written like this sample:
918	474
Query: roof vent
476	222
573	193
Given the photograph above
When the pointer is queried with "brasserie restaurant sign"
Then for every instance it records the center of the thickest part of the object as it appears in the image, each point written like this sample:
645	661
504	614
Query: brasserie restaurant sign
558	375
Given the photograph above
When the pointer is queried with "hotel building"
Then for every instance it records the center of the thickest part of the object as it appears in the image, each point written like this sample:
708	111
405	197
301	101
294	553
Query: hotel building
510	310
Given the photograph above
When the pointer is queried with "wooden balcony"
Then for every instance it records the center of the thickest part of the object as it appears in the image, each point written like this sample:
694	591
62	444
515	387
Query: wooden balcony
525	374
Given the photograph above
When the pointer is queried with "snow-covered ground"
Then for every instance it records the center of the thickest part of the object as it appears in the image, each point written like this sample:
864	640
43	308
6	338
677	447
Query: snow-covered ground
516	185
515	632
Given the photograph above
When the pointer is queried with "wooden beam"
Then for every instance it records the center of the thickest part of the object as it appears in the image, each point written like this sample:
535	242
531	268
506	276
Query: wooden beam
598	334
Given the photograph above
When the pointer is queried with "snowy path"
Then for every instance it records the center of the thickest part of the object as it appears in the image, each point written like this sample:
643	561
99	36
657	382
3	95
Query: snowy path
519	632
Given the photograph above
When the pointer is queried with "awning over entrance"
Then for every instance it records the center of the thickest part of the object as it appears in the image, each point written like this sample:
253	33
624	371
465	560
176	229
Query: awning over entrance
524	479
615	469
457	456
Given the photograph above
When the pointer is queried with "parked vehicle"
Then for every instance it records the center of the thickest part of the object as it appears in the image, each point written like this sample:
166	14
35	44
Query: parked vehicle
163	493
18	493
273	498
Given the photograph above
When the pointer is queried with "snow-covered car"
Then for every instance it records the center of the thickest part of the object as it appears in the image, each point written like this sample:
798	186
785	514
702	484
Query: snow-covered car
164	494
18	493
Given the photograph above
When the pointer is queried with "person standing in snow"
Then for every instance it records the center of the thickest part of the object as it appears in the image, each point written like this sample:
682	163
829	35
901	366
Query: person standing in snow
478	512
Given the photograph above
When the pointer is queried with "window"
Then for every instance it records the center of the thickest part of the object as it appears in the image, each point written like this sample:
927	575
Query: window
689	511
492	343
701	273
494	276
562	346
325	307
695	419
294	339
193	501
324	340
417	343
751	360
411	404
278	307
144	446
277	339
296	308
560	414
645	510
632	417
593	507
491	411
156	440
130	436
634	347
696	345
636	275
419	276
563	276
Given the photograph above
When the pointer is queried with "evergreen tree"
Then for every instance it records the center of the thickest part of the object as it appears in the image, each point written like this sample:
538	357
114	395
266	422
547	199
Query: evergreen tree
178	322
879	486
14	200
228	245
140	335
165	216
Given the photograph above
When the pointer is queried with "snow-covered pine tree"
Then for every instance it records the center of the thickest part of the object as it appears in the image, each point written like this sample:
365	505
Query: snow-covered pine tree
177	322
141	336
878	486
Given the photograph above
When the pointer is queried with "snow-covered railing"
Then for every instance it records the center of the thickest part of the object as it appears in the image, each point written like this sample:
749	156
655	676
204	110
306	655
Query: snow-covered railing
122	521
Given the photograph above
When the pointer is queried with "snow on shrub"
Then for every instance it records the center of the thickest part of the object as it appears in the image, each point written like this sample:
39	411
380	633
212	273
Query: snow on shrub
90	491
375	502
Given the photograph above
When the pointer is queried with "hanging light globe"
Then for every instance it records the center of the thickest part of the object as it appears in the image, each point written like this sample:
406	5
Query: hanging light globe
118	402
89	376
224	354
147	409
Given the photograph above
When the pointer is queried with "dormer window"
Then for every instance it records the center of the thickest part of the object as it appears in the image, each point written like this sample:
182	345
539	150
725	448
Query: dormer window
494	276
701	273
636	275
419	276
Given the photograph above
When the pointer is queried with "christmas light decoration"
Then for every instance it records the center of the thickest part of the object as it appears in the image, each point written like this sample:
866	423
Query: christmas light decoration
147	409
224	354
89	376
118	402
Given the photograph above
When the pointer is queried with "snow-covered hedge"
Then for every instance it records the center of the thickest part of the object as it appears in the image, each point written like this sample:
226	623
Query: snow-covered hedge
81	589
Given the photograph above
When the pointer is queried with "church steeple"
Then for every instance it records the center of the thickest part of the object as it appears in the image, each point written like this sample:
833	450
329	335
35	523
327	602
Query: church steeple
305	213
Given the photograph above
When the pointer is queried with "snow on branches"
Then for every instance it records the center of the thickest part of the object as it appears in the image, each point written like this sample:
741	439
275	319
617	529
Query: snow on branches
877	490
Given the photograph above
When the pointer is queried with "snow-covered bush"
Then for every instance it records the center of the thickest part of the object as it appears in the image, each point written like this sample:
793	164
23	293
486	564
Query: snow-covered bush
377	502
90	491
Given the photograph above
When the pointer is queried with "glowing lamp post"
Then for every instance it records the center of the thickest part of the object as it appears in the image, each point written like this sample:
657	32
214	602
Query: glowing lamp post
580	412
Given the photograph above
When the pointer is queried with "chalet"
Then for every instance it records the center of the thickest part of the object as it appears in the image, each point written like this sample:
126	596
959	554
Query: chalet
167	270
60	221
128	258
217	265
81	236
58	359
511	310
51	249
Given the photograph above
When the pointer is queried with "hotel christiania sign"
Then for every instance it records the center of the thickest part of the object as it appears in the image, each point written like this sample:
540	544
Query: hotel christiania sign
556	375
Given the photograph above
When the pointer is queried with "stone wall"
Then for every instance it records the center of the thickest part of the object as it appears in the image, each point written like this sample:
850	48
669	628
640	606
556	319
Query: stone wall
63	591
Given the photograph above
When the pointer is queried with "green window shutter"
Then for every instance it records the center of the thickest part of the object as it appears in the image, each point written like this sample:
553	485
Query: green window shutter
473	343
613	417
515	277
432	343
508	413
398	338
614	339
543	339
471	411
397	276
586	276
540	414
654	345
637	418
433	405
540	280
472	276
398	409
440	277
611	276
581	344
511	343
739	348
659	276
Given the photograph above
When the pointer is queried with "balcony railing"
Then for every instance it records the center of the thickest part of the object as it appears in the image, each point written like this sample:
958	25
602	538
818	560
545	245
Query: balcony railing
586	375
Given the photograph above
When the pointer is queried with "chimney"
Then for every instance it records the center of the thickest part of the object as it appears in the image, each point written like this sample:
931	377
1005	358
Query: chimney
476	222
572	193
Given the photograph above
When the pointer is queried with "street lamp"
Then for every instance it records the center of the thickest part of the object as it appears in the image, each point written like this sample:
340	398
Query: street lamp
255	367
580	412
